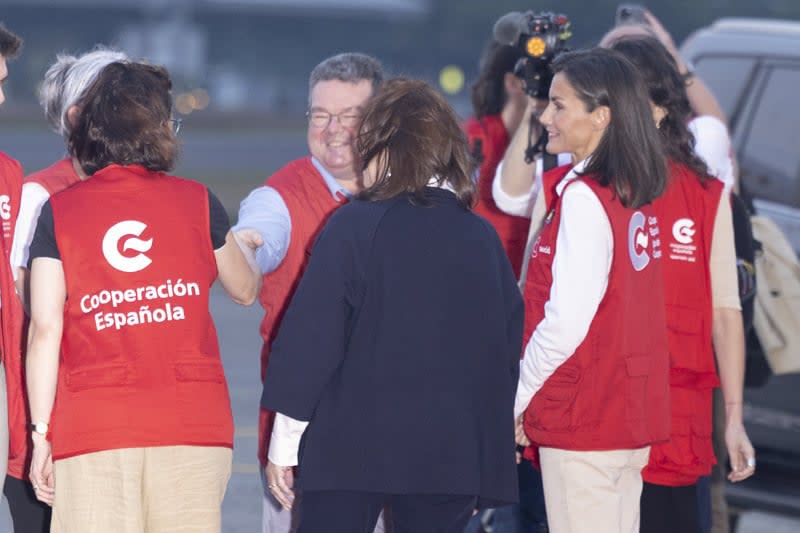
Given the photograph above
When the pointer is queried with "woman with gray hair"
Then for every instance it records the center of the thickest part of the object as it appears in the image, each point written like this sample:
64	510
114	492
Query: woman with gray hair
64	84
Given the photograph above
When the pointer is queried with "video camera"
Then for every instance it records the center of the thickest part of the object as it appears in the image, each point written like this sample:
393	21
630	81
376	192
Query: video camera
541	36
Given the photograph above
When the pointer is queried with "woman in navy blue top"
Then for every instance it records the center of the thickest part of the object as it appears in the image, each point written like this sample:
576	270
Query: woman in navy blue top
398	358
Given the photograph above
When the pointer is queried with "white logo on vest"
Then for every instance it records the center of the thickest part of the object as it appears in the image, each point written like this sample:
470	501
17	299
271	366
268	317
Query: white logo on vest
683	230
683	249
5	214
111	246
5	207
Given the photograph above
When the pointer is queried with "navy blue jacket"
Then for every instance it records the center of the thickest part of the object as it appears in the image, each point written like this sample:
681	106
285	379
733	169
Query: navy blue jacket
401	347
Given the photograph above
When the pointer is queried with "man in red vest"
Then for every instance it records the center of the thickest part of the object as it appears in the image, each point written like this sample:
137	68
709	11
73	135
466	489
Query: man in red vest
283	217
10	308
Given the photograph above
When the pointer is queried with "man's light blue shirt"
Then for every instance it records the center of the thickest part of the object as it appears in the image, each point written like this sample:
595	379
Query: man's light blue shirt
265	211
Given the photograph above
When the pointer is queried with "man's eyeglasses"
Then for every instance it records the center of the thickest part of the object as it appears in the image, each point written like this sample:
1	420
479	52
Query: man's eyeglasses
176	124
321	119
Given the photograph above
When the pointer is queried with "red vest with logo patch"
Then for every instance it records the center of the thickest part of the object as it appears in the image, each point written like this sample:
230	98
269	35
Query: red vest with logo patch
489	134
612	393
10	306
53	179
140	361
686	213
310	203
11	312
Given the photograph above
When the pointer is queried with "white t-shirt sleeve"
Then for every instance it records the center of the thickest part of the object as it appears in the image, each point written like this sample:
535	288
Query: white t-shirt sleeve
516	205
33	198
584	249
713	146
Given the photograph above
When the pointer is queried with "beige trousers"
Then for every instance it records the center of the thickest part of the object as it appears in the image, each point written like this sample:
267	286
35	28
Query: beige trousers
164	489
593	492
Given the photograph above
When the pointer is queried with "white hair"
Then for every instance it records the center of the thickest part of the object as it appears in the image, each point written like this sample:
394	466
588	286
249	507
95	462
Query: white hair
66	81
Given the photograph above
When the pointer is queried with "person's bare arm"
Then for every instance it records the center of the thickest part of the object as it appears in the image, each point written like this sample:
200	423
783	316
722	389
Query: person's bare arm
48	294
238	272
517	175
728	338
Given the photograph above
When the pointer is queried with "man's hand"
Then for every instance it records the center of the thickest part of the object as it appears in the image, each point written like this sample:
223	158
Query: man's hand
280	482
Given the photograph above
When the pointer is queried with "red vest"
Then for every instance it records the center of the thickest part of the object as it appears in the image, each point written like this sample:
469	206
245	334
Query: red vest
612	393
56	177
310	203
53	179
10	305
11	312
686	213
140	359
491	133
550	179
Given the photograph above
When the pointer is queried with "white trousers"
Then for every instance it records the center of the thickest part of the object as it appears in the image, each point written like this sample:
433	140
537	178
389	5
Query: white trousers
593	492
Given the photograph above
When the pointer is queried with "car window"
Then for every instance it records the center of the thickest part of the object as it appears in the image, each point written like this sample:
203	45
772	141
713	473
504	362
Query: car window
726	77
772	137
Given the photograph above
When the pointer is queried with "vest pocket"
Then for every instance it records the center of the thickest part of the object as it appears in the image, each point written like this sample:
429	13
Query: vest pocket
94	377
637	368
202	394
684	325
189	372
554	407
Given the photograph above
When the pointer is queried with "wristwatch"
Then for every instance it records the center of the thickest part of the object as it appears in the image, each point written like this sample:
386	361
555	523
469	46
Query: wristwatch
40	427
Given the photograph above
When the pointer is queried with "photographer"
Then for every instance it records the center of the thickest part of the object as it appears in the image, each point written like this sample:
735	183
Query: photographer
517	181
498	102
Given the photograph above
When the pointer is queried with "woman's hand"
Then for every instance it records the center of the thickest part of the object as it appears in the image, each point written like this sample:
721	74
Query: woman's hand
280	481
519	432
42	475
740	451
661	33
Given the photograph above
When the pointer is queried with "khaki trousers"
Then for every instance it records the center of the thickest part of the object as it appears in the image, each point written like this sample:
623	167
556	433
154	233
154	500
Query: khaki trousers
593	492
163	489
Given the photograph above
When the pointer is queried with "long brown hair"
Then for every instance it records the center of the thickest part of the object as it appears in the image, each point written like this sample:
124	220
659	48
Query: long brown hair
415	132
630	156
489	90
667	90
124	119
